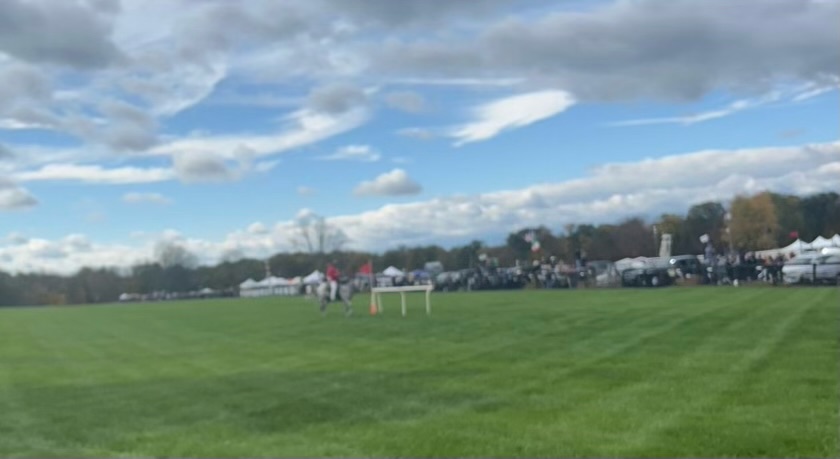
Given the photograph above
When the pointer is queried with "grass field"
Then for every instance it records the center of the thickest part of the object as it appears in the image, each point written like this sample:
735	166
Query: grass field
698	372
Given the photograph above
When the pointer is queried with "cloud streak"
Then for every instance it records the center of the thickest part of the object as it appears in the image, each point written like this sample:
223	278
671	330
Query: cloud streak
364	153
393	183
730	109
493	118
95	174
146	198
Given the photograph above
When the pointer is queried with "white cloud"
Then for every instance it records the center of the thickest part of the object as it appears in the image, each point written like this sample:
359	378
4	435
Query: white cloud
609	193
407	101
266	166
146	198
96	174
730	109
15	238
354	153
417	133
305	191
479	82
196	167
512	112
14	197
303	127
394	183
629	50
77	243
814	91
257	228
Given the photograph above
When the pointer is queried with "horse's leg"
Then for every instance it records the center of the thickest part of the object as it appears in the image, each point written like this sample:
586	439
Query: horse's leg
323	306
348	307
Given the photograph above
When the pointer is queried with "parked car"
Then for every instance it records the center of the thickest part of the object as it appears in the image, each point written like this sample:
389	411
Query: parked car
687	266
828	269
799	270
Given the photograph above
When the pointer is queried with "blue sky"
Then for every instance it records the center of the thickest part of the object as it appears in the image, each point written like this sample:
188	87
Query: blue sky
219	125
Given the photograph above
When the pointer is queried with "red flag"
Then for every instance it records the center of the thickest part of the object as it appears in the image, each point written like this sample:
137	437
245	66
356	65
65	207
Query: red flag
794	235
366	268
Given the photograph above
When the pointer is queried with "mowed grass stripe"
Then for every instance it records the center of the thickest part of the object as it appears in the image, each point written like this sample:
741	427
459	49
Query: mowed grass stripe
563	373
579	395
789	369
696	378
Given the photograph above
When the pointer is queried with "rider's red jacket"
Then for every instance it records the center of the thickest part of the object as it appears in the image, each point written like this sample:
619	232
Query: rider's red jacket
332	273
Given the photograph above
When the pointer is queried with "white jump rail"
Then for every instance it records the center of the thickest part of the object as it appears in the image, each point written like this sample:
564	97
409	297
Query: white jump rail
377	291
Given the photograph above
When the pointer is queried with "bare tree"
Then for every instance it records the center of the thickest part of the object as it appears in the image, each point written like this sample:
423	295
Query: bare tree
170	254
313	234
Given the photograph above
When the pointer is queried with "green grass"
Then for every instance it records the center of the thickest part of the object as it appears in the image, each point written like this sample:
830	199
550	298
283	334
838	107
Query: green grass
700	372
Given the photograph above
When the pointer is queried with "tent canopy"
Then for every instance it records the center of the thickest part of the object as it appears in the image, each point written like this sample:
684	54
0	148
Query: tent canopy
799	246
314	278
250	283
272	281
821	243
393	272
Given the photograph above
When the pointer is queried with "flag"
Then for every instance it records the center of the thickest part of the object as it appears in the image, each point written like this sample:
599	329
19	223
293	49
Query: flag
794	234
366	268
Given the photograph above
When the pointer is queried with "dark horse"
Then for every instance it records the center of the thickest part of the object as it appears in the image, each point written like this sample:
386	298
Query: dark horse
344	294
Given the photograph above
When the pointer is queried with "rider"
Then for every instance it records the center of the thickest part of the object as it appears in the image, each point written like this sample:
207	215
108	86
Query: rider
332	278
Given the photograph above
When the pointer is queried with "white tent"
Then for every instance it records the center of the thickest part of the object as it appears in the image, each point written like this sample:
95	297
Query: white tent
273	281
821	243
798	246
314	278
267	287
391	271
248	284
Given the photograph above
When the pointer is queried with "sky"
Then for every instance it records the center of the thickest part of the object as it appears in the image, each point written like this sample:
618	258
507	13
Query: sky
219	125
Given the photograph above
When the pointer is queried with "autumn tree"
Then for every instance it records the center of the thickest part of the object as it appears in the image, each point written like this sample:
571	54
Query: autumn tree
754	224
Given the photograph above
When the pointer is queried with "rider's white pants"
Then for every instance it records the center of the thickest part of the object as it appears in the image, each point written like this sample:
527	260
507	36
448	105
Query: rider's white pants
333	289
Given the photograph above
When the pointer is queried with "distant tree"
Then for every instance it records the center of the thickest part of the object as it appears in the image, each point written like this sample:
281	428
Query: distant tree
95	286
313	234
754	224
634	238
147	278
603	243
9	290
790	217
705	218
517	244
820	215
169	253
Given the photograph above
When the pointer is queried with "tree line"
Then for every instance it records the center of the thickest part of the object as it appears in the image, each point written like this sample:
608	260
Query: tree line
762	221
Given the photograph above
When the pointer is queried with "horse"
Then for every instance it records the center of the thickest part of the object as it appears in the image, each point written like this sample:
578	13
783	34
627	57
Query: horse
344	294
